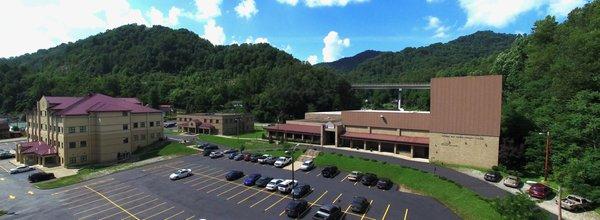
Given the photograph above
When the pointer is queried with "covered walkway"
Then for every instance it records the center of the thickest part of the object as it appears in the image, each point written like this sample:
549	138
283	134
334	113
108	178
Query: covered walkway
414	147
294	132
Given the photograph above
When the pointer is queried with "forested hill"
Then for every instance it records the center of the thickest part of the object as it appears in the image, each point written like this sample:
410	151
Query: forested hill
347	64
162	65
472	54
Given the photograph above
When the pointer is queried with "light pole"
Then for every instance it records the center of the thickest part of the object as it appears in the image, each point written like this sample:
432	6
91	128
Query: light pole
546	161
291	154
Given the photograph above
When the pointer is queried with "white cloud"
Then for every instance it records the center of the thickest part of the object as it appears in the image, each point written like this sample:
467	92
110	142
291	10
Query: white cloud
287	48
334	46
246	9
434	23
207	9
312	59
562	8
214	33
289	2
258	40
499	13
29	26
322	3
157	17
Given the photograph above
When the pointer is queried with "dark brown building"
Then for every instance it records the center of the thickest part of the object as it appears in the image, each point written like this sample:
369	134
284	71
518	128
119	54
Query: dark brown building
462	126
4	129
216	123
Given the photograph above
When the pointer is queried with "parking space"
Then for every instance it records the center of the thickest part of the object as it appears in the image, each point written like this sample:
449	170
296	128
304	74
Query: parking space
208	180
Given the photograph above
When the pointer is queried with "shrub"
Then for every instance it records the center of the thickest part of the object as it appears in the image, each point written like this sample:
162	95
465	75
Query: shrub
518	207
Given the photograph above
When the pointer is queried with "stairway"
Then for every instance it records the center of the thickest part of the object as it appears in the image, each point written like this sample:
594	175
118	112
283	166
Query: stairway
308	155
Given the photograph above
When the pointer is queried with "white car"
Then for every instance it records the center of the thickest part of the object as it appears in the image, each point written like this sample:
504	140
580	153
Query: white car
307	165
282	161
272	186
21	169
286	186
262	158
181	173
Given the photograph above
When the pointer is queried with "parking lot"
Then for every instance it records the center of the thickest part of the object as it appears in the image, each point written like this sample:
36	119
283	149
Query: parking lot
147	193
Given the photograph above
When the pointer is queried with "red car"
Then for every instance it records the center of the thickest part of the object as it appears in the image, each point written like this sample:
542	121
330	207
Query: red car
539	191
247	157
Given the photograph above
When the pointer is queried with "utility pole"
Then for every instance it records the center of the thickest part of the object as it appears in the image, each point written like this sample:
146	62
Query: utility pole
291	154
559	208
547	156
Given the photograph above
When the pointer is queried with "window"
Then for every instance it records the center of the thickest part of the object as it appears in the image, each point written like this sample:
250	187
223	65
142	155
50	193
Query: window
151	124
83	144
157	123
125	114
143	124
82	129
135	137
135	125
72	144
125	127
71	130
143	136
83	158
217	121
125	140
72	160
211	121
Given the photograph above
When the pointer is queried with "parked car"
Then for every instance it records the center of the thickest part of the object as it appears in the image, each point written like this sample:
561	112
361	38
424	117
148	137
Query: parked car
328	212
329	171
230	151
300	190
539	191
296	208
181	173
41	176
493	176
232	155
202	145
247	157
207	152
6	155
234	175
270	160
575	203
216	154
384	183
238	157
512	181
272	185
254	158
286	186
211	147
263	181
251	179
355	176
282	161
21	169
368	179
262	158
359	204
307	165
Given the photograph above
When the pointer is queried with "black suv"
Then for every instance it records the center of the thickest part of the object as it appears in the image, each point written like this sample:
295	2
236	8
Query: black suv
328	211
368	179
263	181
384	183
359	204
330	171
296	208
41	176
493	176
234	175
300	190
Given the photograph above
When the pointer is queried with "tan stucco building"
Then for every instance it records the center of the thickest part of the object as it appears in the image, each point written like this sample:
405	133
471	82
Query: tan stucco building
462	126
68	131
216	123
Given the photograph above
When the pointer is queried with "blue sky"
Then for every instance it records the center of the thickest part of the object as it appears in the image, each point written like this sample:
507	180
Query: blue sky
323	30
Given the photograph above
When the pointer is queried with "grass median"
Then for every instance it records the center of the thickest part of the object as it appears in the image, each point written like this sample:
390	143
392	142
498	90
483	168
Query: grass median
234	142
461	201
258	132
94	171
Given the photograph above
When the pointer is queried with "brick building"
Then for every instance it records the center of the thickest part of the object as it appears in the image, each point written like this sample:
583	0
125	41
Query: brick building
216	123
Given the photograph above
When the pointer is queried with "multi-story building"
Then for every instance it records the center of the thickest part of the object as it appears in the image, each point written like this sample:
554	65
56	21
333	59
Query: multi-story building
462	126
68	131
216	123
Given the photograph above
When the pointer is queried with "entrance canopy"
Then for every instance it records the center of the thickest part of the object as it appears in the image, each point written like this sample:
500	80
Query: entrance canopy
295	128
386	138
39	148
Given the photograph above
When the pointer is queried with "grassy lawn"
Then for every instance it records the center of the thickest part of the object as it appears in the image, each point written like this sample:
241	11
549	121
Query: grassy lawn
92	171
237	143
464	202
257	133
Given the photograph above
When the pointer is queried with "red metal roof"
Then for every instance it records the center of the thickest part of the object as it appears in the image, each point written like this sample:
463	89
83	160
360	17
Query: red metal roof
37	147
386	138
295	128
60	102
104	103
206	126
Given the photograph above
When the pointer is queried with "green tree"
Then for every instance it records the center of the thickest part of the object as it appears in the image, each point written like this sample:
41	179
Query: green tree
518	207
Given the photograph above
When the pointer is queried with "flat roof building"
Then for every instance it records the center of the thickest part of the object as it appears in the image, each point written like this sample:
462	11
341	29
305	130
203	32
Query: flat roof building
67	131
462	126
216	123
